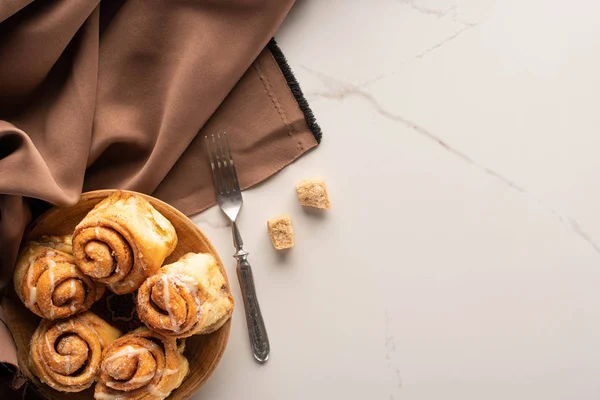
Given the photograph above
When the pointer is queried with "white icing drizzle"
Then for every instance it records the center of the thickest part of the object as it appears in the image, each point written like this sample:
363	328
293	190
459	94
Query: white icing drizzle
72	295
32	287
140	379
97	232
198	306
189	282
167	299
171	371
32	295
127	351
68	365
51	265
133	381
192	286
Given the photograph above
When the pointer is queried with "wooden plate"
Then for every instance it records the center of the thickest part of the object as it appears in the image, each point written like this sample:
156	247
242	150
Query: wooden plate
202	351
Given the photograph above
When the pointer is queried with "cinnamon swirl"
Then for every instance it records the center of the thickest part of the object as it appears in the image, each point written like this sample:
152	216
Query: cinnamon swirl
66	354
141	365
190	296
122	241
49	283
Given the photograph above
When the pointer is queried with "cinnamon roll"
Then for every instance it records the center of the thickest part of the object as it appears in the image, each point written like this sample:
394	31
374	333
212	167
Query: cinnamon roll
141	365
49	283
190	296
122	241
66	354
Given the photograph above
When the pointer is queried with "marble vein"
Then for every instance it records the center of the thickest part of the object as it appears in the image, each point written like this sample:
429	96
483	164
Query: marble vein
582	234
465	27
571	223
340	90
451	12
427	11
390	348
447	40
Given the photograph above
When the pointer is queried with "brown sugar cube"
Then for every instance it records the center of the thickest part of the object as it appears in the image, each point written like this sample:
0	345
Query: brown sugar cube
281	233
313	193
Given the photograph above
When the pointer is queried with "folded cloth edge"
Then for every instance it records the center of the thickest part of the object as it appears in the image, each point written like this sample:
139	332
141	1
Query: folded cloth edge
8	354
294	86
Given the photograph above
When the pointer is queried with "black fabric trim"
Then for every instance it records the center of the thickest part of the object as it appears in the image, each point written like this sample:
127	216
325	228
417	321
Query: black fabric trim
294	86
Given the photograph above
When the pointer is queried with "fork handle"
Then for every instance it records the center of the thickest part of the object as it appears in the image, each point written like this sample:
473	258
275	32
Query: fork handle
256	325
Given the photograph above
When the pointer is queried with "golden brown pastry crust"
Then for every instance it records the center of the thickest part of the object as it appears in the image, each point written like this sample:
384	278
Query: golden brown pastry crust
190	296
141	365
122	241
49	283
66	354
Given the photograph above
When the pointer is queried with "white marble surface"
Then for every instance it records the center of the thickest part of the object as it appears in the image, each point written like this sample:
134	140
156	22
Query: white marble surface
461	259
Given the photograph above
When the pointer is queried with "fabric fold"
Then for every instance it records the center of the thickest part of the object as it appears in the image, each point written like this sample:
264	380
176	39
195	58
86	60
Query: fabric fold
98	94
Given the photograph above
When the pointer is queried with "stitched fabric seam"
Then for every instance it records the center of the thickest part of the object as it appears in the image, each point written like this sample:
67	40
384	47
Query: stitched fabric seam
274	100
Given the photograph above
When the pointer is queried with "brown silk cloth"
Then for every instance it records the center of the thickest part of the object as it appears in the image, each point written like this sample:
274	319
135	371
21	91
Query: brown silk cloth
119	94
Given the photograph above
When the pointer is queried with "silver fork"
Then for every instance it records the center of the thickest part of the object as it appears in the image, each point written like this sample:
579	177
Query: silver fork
230	200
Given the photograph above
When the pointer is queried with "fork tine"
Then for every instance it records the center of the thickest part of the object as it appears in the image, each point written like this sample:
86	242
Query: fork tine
225	170
212	162
236	184
219	185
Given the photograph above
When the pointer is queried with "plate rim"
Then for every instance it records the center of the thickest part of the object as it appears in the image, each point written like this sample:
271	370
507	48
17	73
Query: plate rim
10	295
